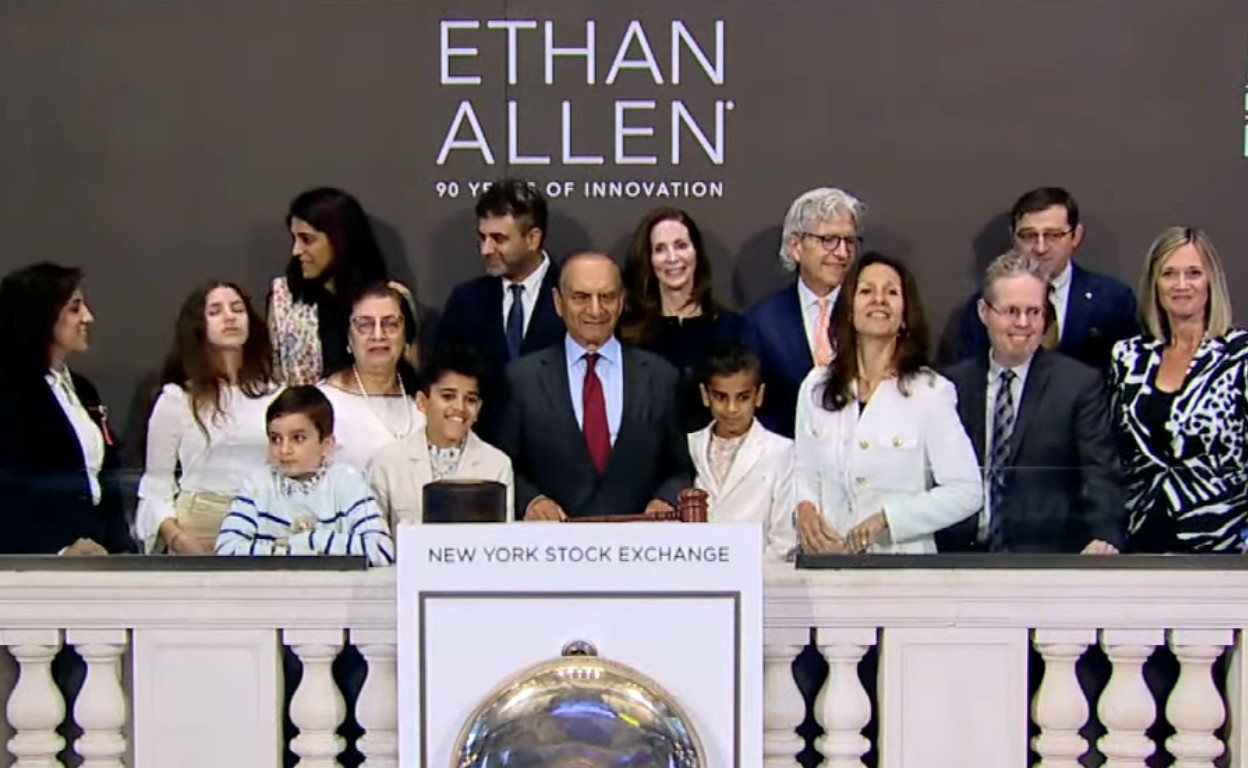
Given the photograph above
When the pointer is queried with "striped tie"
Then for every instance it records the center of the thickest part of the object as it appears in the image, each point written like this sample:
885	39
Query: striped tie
1002	428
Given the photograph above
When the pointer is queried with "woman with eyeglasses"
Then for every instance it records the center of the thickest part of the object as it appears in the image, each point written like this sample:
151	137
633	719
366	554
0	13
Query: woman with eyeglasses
334	253
1179	405
373	394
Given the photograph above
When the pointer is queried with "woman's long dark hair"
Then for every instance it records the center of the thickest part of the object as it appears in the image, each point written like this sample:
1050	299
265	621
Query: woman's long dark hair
644	309
192	365
382	290
31	300
357	261
911	353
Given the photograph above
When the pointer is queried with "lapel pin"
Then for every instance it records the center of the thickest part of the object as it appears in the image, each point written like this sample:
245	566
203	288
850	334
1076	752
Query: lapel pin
1088	295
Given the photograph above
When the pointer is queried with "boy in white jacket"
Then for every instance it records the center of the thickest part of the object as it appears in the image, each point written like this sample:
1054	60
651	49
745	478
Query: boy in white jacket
746	469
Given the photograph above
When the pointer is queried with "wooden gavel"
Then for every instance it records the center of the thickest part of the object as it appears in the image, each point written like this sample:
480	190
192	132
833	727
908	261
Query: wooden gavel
692	507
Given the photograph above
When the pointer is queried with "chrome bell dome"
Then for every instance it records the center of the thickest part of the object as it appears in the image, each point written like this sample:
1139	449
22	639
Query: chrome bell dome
578	711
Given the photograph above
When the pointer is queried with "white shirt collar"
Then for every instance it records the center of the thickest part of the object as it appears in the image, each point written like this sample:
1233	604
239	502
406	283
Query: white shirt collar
811	299
995	369
533	283
1062	280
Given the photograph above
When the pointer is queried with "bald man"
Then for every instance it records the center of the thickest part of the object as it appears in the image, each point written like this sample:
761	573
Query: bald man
593	428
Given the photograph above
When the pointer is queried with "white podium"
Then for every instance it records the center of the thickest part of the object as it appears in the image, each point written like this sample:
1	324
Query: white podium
679	602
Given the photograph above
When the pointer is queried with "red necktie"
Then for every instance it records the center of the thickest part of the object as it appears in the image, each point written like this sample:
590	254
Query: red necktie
594	415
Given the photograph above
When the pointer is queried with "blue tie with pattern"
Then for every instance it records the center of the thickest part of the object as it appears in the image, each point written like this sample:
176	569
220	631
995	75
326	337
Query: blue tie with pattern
515	321
1002	428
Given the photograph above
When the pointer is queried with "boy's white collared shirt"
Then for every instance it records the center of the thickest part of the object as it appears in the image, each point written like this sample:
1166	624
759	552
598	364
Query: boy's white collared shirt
758	486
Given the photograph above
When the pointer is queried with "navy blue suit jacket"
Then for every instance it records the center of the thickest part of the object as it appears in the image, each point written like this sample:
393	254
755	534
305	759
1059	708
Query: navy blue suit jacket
775	333
473	316
1100	312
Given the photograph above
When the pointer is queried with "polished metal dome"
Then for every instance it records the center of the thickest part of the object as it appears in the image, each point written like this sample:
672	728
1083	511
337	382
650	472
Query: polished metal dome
578	711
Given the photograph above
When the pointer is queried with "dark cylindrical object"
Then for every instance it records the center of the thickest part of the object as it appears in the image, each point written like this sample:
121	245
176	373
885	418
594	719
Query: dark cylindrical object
465	501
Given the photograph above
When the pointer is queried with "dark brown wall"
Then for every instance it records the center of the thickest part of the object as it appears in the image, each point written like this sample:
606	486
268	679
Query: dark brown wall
157	144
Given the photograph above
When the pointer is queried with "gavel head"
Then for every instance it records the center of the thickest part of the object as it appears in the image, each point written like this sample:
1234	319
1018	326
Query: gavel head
693	505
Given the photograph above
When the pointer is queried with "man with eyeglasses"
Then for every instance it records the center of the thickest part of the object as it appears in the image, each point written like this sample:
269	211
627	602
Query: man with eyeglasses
1040	425
789	330
1091	311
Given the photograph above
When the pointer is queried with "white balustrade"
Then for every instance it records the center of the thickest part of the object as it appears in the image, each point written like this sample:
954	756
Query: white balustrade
785	710
100	709
35	707
206	684
1195	707
377	710
843	706
1126	707
317	708
1059	708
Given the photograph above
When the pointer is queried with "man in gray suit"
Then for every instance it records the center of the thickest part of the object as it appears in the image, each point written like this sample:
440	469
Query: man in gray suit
593	428
1040	425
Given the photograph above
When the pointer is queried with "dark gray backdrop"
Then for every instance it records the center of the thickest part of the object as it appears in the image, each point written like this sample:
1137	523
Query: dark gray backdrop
158	143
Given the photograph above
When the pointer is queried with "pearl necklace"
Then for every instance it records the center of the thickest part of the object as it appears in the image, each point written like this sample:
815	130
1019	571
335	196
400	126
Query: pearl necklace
402	392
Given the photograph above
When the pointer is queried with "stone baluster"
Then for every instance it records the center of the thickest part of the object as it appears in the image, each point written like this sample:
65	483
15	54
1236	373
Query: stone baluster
1126	707
100	709
1059	707
35	707
1195	707
842	705
377	708
317	709
783	708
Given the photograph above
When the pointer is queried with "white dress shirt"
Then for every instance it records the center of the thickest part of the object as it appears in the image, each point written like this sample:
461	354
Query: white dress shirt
995	370
1059	293
809	302
90	439
236	444
528	297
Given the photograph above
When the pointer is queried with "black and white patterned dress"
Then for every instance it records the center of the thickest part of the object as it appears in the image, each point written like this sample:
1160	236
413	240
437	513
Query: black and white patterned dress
1186	453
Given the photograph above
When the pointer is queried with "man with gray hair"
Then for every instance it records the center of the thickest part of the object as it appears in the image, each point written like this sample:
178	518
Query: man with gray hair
1040	425
788	330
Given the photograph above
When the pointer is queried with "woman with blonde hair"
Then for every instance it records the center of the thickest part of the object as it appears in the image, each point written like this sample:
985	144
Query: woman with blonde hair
1178	393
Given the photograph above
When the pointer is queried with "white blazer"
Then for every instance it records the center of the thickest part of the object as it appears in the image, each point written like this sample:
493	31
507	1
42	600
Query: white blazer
758	489
399	472
907	456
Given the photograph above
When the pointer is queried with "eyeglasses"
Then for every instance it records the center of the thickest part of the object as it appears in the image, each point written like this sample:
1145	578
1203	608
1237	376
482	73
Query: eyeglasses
1032	237
833	242
1032	314
390	324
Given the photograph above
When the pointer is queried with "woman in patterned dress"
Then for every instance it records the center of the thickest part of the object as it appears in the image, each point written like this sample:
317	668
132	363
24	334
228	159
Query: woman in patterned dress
1179	404
334	254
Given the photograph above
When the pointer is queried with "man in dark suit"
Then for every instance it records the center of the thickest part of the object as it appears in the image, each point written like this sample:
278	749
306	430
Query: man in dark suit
593	428
507	312
788	330
1039	422
1093	311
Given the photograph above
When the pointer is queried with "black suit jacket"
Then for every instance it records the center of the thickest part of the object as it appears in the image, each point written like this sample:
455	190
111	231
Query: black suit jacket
1064	485
1100	312
45	494
650	458
473	316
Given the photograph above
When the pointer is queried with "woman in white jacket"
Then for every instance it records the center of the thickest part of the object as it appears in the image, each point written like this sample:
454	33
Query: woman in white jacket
882	459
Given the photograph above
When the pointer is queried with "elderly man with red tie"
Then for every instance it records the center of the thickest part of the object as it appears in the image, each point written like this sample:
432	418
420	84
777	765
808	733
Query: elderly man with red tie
592	427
